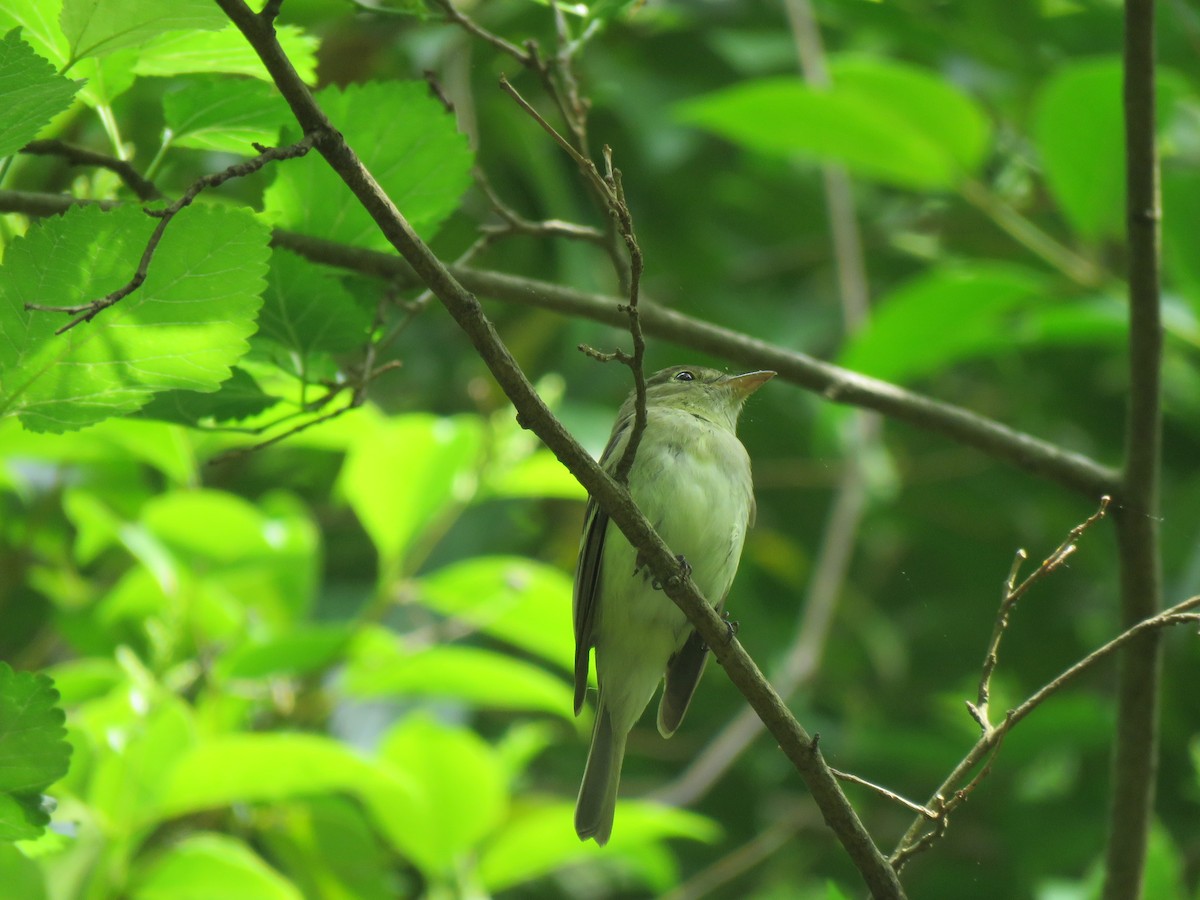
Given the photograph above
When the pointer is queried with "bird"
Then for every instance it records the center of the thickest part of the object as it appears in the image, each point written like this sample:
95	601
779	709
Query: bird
691	479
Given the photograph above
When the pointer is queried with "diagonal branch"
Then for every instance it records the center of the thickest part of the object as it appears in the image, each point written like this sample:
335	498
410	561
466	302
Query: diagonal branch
533	414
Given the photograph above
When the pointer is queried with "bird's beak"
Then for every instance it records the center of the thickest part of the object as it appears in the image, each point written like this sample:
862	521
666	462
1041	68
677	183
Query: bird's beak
745	385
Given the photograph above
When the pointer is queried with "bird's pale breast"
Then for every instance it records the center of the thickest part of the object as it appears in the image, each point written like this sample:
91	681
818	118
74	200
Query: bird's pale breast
692	481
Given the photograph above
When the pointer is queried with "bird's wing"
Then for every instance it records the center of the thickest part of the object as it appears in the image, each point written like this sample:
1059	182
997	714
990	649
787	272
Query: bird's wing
683	674
587	586
587	572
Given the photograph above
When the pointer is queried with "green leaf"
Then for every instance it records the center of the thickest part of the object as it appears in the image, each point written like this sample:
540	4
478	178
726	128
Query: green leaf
34	752
20	875
306	311
295	652
38	21
408	142
31	93
406	471
459	791
79	680
257	768
379	666
328	846
239	397
33	748
518	600
885	121
97	27
225	51
202	866
540	474
112	443
1078	127
1165	866
264	555
183	328
1181	211
152	728
539	840
939	318
224	114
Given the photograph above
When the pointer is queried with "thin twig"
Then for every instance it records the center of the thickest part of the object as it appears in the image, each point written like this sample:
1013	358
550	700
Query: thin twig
515	223
454	15
1008	601
1079	269
81	156
1180	614
885	792
85	312
611	188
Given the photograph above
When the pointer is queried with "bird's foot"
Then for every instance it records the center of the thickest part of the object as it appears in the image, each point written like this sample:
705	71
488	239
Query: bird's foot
732	628
686	571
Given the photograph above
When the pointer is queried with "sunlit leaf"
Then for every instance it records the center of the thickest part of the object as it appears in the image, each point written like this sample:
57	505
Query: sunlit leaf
20	875
408	142
206	865
31	92
404	472
226	51
520	601
379	666
295	652
540	840
459	792
33	750
98	27
183	328
225	114
262	768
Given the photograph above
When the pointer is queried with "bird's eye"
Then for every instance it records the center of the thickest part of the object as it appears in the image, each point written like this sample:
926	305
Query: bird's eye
685	375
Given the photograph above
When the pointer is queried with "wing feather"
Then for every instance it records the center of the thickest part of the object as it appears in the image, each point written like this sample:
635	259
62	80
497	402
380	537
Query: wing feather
588	571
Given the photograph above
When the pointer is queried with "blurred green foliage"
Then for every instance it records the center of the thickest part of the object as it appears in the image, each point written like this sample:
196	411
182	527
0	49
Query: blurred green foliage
338	666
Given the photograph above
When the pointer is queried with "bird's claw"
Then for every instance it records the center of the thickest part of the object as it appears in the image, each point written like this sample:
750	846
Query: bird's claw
686	571
732	628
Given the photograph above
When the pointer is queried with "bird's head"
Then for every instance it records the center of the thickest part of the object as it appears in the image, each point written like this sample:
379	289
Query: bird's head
707	393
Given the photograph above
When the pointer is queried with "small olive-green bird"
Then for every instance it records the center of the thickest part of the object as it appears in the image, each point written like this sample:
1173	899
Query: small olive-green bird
691	479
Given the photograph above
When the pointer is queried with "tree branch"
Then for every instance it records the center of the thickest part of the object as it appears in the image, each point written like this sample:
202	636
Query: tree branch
1135	757
1041	458
1023	451
81	156
533	414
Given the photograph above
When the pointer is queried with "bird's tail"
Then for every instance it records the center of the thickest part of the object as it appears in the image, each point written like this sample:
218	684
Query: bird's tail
598	793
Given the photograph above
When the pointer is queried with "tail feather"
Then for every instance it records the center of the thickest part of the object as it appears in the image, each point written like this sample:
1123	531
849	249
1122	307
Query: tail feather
598	793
